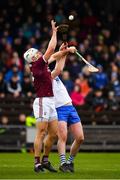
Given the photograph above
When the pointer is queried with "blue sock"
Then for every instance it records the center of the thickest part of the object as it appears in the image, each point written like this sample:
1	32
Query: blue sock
62	159
70	159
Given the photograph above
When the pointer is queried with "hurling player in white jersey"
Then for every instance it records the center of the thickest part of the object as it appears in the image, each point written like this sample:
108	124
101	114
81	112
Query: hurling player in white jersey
67	118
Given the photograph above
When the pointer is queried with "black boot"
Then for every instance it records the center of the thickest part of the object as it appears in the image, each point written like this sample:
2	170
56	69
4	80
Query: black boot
71	167
38	168
47	165
64	167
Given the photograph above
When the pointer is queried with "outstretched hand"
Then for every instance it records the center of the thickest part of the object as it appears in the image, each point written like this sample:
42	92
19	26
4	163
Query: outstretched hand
54	28
63	46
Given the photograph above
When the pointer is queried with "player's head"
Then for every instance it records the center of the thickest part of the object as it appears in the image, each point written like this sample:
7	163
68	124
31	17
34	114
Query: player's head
31	55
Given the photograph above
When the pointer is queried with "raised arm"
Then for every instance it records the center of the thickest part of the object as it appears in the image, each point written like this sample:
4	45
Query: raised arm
58	55
53	42
62	47
58	67
60	59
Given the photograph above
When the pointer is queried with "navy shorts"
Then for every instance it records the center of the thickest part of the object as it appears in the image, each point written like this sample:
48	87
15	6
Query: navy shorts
68	114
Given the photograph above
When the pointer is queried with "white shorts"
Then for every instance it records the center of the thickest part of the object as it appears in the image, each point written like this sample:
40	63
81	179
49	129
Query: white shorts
44	109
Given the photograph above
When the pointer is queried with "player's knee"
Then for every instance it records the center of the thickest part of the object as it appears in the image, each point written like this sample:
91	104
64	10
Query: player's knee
80	139
41	133
62	134
63	137
53	136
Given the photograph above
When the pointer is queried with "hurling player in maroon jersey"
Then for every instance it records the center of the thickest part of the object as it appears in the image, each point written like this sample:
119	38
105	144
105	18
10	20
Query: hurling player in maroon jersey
44	106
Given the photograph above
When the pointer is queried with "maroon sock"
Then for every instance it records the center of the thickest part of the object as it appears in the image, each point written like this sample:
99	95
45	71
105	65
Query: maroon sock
45	159
37	160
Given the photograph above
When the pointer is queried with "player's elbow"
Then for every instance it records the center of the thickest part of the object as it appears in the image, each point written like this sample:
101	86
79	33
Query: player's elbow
53	56
58	71
58	55
55	73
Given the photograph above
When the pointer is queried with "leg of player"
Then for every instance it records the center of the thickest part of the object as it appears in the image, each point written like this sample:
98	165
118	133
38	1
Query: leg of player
40	134
62	138
48	142
77	131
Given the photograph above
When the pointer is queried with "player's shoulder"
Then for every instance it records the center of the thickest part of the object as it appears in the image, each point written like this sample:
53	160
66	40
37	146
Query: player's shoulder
42	59
39	62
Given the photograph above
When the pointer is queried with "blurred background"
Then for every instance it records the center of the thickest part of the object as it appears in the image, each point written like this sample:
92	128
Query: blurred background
95	31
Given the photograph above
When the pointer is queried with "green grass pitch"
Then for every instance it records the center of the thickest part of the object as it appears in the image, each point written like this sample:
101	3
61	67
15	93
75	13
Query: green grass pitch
87	166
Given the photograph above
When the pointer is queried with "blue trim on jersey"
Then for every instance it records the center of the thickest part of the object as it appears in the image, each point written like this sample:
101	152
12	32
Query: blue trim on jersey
68	114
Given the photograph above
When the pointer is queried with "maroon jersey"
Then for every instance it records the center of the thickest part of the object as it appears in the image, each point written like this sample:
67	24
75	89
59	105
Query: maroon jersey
42	78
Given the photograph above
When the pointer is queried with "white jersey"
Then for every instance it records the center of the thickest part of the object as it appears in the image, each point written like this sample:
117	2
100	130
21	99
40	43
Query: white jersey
60	93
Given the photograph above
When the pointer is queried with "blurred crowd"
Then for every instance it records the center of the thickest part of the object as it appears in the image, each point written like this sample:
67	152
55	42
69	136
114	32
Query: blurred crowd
95	33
